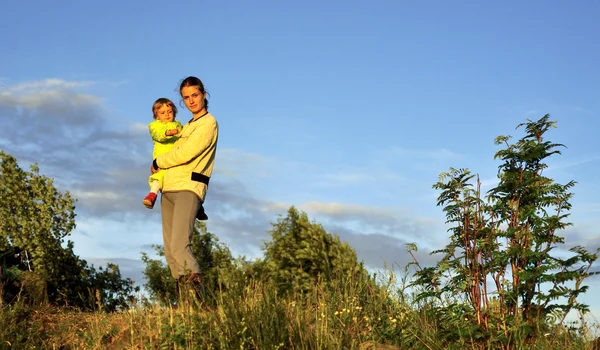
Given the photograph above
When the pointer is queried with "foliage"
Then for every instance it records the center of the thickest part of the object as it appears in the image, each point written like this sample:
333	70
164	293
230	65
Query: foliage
112	291
253	315
502	269
214	259
301	252
36	219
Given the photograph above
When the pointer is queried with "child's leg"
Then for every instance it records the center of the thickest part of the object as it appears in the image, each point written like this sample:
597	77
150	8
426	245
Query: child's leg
155	186
155	181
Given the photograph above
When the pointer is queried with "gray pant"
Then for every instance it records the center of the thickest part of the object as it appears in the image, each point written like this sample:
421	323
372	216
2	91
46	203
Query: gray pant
178	218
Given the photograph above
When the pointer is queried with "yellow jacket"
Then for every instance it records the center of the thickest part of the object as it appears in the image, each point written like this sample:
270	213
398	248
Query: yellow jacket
163	143
190	163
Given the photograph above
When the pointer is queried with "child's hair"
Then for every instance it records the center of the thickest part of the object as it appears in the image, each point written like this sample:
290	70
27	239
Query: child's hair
163	101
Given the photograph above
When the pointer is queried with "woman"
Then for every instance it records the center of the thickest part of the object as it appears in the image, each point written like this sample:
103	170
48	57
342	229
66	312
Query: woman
188	167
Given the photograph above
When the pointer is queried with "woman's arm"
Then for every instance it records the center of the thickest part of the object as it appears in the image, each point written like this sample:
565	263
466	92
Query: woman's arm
199	140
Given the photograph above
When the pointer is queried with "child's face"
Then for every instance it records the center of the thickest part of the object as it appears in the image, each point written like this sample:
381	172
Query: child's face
164	114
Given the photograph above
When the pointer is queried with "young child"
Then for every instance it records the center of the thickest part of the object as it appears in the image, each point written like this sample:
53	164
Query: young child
164	131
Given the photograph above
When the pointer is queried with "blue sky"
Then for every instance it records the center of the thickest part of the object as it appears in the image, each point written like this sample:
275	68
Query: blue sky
347	109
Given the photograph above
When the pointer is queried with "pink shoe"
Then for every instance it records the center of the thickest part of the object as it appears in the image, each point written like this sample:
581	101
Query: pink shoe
149	200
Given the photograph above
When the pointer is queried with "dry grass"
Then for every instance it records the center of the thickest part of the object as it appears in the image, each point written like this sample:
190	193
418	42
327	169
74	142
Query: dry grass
251	317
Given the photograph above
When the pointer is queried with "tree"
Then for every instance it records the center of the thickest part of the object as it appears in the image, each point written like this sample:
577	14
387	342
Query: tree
160	285
503	256
113	292
300	253
36	219
213	257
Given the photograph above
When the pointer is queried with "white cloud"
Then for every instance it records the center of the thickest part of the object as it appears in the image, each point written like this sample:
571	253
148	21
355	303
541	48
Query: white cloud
238	163
341	209
103	195
571	164
139	128
433	154
48	84
352	176
41	98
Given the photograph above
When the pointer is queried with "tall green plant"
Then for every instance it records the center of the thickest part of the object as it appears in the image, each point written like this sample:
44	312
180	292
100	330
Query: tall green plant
302	252
503	257
214	258
36	217
35	220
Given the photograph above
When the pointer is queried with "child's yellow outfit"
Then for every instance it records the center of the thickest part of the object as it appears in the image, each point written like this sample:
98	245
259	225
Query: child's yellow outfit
162	143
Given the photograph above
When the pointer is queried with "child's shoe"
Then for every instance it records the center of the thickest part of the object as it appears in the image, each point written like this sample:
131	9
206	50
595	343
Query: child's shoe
149	200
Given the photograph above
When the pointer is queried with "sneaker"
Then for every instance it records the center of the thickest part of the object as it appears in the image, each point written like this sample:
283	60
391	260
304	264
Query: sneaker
149	200
194	278
201	214
191	284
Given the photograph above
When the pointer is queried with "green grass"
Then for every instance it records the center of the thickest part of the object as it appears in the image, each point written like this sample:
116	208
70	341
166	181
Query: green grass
252	315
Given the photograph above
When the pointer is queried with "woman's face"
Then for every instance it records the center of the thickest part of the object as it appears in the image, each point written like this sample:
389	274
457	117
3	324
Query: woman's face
193	99
164	114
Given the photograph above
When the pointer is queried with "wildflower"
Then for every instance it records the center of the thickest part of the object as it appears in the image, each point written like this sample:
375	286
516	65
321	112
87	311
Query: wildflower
336	313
